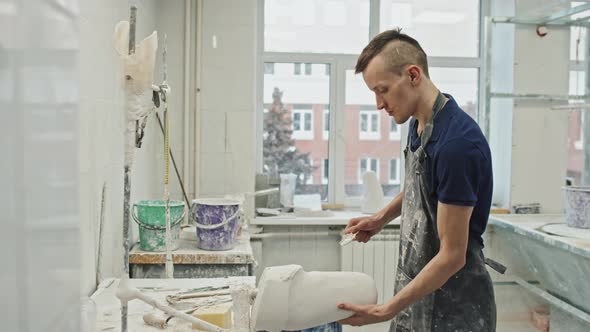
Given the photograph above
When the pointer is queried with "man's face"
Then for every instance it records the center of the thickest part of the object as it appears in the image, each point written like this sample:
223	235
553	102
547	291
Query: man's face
393	92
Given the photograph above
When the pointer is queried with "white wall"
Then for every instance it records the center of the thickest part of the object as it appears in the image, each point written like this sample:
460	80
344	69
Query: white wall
227	98
39	240
539	136
527	138
102	125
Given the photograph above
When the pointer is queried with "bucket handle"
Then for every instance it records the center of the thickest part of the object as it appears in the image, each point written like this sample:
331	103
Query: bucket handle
192	214
152	227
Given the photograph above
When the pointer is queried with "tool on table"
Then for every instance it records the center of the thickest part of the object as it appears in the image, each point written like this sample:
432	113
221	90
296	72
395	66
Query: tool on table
202	289
125	293
172	299
347	238
159	320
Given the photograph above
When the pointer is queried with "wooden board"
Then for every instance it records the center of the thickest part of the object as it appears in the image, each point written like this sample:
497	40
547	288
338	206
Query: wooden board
188	253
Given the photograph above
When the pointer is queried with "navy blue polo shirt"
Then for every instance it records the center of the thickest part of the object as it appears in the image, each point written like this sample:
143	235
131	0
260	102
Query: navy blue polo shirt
460	163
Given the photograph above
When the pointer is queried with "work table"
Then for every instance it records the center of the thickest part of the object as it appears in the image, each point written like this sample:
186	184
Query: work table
108	307
555	268
530	226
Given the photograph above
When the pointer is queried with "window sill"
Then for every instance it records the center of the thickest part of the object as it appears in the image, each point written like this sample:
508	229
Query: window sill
369	137
340	218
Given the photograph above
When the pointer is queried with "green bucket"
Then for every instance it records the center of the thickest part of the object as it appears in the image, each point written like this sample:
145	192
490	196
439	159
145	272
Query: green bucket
150	215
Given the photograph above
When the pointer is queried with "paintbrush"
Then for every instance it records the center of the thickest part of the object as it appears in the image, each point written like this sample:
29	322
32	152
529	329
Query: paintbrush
347	238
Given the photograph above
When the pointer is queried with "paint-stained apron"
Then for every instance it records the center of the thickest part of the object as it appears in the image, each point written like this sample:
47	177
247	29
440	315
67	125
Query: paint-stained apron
466	301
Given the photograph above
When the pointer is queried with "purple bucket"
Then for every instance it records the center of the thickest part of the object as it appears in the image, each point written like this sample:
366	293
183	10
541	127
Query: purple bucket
217	222
577	206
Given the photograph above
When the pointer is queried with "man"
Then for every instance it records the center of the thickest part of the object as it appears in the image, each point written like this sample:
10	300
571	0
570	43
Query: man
442	283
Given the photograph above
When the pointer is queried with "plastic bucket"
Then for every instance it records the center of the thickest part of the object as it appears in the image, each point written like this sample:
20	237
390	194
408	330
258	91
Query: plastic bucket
577	206
217	222
150	215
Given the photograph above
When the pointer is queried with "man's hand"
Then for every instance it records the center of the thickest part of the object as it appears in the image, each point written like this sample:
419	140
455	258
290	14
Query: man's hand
366	227
365	314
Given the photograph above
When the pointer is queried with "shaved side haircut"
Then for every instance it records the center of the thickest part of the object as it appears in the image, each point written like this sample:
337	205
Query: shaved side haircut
398	50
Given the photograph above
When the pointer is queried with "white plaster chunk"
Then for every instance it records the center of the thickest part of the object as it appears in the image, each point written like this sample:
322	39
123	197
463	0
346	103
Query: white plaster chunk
290	298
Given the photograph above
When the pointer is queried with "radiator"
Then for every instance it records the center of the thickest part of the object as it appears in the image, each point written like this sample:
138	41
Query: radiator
377	258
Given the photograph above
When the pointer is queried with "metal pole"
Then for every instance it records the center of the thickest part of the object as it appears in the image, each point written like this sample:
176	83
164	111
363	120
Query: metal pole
127	184
163	91
484	119
585	122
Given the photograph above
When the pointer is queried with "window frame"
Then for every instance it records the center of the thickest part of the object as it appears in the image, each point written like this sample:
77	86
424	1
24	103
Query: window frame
325	179
310	180
325	116
579	144
270	67
302	134
394	135
397	180
368	160
338	64
369	135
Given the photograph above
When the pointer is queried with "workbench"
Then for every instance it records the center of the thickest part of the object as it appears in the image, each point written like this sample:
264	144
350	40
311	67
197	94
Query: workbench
108	307
554	269
192	262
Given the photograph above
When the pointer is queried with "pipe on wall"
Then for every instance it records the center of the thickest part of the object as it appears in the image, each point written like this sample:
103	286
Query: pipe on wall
197	73
187	73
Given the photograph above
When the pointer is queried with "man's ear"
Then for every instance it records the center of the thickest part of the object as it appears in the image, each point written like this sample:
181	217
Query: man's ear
414	73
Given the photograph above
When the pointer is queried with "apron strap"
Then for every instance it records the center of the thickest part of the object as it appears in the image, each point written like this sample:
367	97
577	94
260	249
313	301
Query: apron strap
439	103
427	131
495	265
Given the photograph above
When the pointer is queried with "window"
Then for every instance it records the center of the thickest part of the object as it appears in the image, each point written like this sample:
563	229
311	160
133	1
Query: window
577	49
577	86
577	118
368	164
309	176
431	22
326	124
461	83
394	171
335	13
296	69
314	45
302	124
325	170
308	69
394	130
269	68
291	140
315	26
369	125
578	36
579	144
360	114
